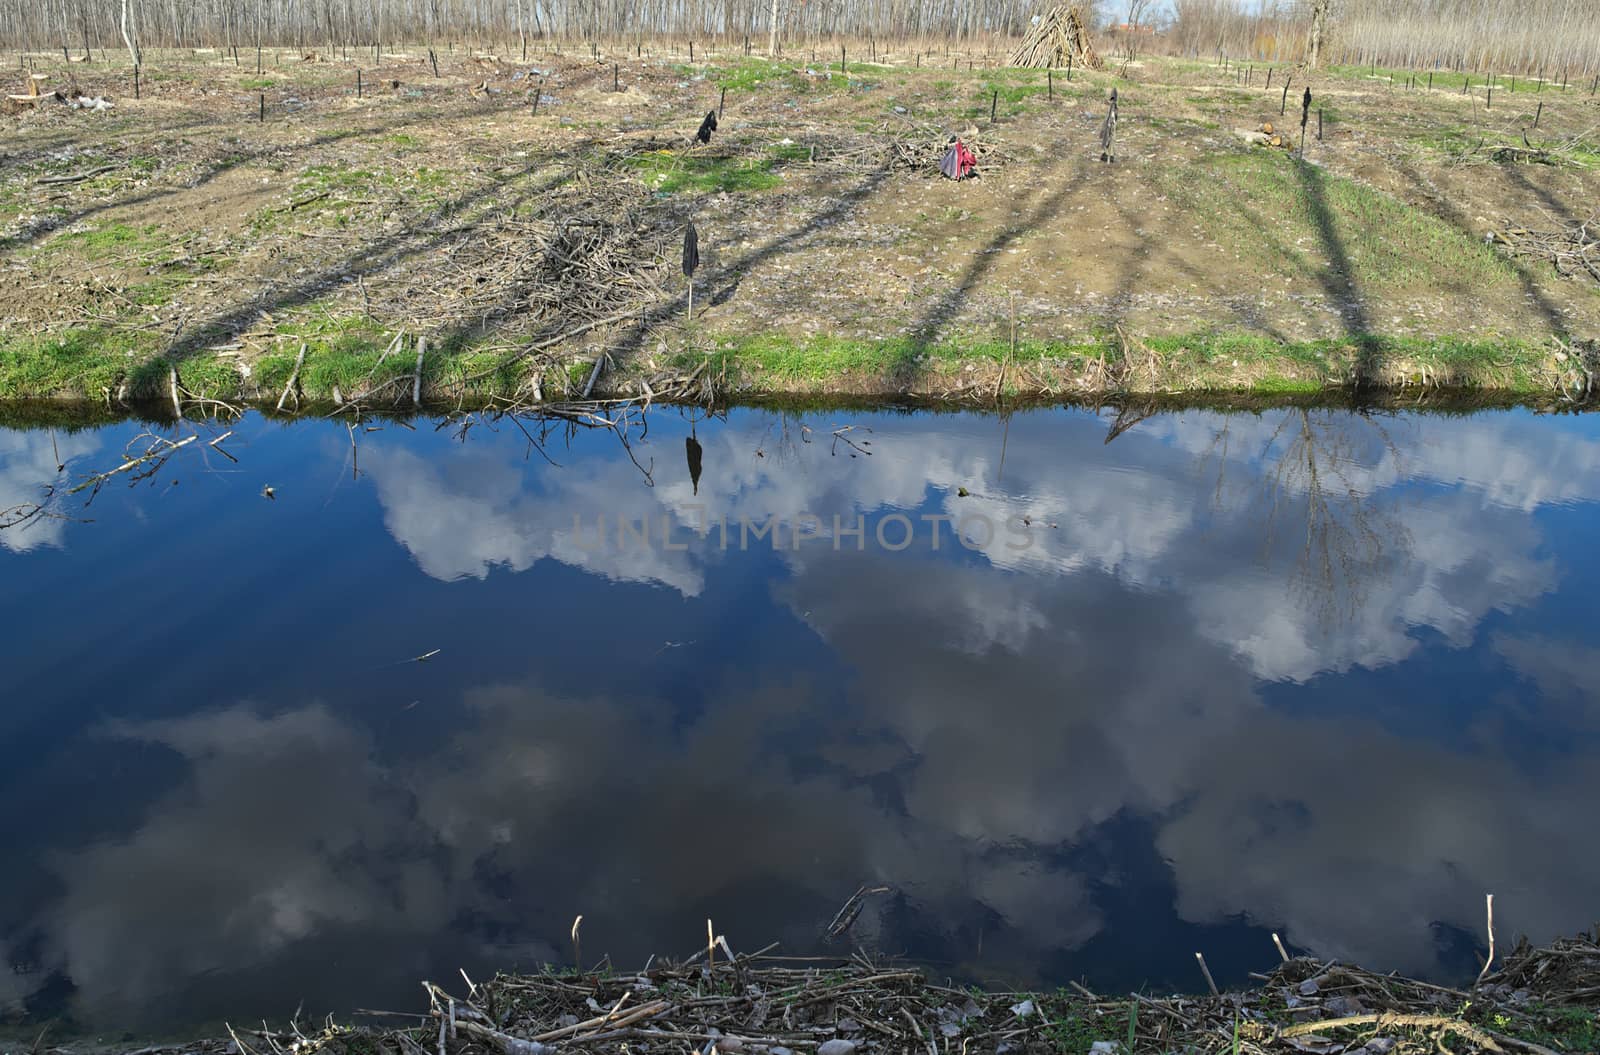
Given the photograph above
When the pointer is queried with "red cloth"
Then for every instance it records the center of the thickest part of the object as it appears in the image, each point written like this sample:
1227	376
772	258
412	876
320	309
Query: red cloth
959	162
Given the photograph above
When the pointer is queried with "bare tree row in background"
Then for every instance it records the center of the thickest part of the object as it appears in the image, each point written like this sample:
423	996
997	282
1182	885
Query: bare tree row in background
1553	37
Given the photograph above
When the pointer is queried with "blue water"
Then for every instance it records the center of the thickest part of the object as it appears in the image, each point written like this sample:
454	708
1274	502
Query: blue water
1307	671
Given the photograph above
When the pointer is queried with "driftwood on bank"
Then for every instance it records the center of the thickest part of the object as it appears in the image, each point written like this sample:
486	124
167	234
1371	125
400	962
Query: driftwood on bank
1539	1002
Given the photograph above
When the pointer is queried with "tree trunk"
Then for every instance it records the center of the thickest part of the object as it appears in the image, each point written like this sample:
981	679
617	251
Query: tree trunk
772	38
1319	25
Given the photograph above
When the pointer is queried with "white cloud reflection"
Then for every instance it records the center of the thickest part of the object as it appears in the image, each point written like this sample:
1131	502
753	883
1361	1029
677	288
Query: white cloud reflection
998	710
28	465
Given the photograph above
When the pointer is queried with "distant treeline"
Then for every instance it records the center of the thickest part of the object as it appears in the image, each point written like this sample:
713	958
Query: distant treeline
1555	37
1489	36
310	24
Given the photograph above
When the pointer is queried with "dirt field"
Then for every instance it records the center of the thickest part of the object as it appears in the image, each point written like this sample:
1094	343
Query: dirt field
182	231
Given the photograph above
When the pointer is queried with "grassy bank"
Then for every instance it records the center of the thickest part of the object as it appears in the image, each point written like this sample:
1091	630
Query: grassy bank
1538	1001
96	366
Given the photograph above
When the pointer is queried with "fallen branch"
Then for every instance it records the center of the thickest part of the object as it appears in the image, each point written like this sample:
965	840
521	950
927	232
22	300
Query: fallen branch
294	375
79	178
133	463
1393	1021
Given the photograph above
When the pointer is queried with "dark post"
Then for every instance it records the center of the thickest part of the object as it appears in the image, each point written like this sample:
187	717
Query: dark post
722	100
258	60
433	60
842	68
358	82
1305	113
1537	113
136	89
1430	80
1269	78
994	102
1488	100
616	86
691	53
263	106
1069	65
1050	83
64	56
1319	124
1283	104
1513	83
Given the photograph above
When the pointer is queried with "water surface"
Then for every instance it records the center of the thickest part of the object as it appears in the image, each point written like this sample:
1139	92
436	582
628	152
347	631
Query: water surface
1330	674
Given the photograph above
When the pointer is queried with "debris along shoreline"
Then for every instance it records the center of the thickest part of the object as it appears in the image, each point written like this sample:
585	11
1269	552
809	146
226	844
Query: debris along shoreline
1541	1001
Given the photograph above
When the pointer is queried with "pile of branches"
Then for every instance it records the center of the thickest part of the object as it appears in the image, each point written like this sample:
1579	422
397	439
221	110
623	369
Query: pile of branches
922	153
589	251
1059	37
1541	1001
759	1003
1574	250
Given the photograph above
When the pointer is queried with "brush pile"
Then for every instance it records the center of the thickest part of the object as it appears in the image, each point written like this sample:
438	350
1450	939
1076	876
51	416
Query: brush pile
921	153
1541	1002
572	254
1059	37
1574	250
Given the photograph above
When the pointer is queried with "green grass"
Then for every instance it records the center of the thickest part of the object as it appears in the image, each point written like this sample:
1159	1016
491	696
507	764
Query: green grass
1561	1028
1299	221
1074	1028
112	238
753	75
1206	361
817	360
674	173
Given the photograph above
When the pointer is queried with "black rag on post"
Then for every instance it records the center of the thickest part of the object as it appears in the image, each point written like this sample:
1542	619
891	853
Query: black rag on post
707	126
691	250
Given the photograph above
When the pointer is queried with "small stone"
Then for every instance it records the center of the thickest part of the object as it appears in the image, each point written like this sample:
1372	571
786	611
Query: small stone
1309	987
730	1044
1024	1009
1380	1045
1103	1047
1343	1006
836	1047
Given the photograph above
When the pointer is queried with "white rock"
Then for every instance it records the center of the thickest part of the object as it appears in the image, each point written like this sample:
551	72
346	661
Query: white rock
836	1047
1103	1047
1022	1010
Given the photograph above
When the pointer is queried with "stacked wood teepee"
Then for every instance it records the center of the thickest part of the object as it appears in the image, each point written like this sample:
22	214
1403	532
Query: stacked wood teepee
1058	36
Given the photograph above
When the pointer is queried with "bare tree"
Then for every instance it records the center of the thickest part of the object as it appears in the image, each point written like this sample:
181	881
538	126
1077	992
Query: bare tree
1319	26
